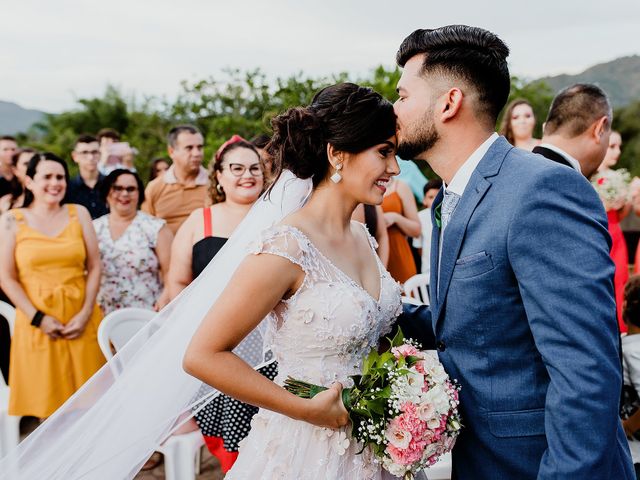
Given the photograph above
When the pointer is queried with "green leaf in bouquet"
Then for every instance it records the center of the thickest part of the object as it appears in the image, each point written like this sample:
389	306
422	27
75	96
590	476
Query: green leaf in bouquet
369	361
398	339
412	360
385	358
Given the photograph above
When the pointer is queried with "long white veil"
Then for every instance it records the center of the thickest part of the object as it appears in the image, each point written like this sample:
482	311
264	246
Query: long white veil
109	427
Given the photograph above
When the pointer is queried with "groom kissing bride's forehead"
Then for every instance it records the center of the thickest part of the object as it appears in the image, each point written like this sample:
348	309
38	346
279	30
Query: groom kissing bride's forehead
522	307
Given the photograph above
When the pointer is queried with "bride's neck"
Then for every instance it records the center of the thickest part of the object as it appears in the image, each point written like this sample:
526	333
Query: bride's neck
329	211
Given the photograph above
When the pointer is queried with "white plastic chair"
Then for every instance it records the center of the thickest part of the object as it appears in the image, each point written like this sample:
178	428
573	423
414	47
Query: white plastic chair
410	300
418	287
9	424
181	452
441	470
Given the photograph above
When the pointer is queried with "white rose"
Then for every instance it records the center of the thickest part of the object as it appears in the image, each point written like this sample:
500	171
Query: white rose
397	437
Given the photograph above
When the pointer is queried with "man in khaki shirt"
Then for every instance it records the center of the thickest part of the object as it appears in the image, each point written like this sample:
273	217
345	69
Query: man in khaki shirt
183	187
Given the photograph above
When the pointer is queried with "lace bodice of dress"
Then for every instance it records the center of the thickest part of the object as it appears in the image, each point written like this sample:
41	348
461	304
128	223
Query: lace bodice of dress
322	333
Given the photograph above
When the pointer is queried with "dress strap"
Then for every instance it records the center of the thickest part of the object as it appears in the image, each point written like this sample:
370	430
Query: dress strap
17	214
372	240
206	213
73	211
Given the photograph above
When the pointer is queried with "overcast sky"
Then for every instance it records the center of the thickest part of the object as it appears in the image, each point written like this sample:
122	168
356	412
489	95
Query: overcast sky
53	52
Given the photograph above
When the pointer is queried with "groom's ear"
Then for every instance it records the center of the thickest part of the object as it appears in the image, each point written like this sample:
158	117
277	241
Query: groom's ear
451	103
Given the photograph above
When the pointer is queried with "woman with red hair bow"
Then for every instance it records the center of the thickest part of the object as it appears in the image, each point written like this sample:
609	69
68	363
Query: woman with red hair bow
235	183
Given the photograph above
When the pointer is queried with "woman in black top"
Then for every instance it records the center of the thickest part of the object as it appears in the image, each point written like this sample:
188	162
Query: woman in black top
236	182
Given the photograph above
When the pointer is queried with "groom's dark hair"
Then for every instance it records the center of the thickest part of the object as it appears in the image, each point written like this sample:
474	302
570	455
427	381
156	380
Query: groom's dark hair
471	54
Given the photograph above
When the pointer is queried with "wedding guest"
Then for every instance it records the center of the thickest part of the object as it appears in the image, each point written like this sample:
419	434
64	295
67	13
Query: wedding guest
50	269
19	162
84	189
373	218
631	369
576	131
518	124
158	167
412	176
106	137
183	187
401	219
236	182
431	189
616	211
120	155
8	147
134	246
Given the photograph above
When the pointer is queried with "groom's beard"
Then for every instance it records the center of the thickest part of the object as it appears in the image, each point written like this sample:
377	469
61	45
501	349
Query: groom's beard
424	138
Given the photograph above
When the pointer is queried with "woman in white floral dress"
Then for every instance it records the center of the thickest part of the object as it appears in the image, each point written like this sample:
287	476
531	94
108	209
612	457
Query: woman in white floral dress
328	296
134	246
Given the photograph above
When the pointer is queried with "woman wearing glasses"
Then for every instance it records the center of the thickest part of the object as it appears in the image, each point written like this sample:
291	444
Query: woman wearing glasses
134	246
235	183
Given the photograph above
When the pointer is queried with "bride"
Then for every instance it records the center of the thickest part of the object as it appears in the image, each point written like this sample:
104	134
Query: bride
330	296
312	273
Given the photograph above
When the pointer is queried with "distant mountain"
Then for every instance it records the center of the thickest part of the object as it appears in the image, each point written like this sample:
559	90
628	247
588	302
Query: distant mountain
620	78
15	119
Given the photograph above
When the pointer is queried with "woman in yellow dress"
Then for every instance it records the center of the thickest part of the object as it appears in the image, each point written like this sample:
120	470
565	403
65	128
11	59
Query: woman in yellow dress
50	269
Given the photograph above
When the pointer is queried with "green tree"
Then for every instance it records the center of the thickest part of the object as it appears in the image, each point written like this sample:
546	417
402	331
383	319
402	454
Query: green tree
626	120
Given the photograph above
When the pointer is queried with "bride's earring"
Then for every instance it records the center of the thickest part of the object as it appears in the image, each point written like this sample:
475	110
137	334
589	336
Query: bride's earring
336	177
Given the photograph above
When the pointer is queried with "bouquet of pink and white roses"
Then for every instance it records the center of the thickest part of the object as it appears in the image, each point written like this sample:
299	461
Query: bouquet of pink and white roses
403	407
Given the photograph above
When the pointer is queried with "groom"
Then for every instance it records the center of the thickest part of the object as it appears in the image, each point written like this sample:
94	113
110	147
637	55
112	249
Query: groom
522	311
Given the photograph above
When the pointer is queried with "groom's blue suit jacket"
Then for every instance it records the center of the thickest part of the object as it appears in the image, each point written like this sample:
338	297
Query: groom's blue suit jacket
523	316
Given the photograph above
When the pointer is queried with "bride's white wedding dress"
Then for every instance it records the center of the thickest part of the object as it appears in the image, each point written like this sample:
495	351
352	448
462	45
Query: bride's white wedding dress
321	335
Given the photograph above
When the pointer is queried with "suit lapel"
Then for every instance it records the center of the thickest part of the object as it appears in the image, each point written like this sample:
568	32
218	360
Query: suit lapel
454	234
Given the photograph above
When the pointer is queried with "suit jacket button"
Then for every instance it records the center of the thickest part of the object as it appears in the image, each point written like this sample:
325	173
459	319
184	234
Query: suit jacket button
441	346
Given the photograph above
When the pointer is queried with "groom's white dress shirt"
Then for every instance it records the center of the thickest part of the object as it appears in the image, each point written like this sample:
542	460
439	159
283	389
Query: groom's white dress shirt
572	161
463	175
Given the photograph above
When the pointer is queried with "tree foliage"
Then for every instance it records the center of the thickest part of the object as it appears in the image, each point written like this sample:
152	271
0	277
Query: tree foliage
244	102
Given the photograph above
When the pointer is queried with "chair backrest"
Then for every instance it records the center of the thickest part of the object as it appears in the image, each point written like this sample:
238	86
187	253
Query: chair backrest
119	326
410	300
8	312
418	288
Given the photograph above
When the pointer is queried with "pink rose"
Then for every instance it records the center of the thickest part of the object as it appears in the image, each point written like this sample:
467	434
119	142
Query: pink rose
405	350
397	434
425	411
404	457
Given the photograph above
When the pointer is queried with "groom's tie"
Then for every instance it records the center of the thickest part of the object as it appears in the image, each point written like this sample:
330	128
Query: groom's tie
449	204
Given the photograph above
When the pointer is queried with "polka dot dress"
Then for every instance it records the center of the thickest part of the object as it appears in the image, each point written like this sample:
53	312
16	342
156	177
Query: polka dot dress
228	418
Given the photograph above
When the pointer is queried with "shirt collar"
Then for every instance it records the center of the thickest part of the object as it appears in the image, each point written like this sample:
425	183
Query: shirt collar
202	178
463	175
572	161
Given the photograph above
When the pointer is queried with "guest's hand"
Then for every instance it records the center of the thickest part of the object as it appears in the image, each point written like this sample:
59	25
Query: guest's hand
5	203
390	218
327	410
51	327
76	326
628	430
162	301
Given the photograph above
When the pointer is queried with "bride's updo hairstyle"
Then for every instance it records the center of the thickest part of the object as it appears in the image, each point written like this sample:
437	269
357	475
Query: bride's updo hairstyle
345	115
